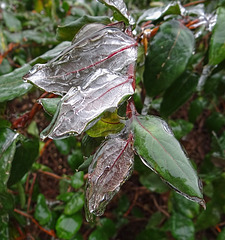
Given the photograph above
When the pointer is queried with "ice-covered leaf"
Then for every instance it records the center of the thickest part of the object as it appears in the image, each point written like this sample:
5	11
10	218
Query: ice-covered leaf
80	106
156	13
68	31
108	124
161	152
111	166
120	10
96	46
217	43
168	56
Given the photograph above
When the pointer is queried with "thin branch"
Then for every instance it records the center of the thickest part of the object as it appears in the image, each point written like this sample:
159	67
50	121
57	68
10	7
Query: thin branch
31	191
193	3
49	232
52	175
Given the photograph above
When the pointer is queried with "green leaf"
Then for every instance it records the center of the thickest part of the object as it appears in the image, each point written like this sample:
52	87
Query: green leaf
65	197
33	129
182	227
120	10
12	85
196	108
168	56
7	150
42	212
5	67
75	159
6	203
68	226
180	127
89	145
184	206
27	152
77	180
108	227
217	43
68	31
215	121
155	234
208	218
153	183
49	104
12	23
161	152
75	204
108	124
4	228
178	93
98	234
221	235
65	145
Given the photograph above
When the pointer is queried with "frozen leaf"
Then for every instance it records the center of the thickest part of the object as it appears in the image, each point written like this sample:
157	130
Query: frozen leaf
111	166
82	105
119	7
161	152
95	47
157	13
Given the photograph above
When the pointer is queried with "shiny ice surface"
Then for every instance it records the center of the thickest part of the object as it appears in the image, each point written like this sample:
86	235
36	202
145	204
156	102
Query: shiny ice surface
111	166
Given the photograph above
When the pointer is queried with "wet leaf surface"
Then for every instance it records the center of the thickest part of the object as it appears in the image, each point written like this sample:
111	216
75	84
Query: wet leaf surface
182	227
7	150
12	85
168	55
111	166
68	31
178	93
80	106
120	9
217	44
42	212
75	204
161	152
27	151
72	68
68	226
49	104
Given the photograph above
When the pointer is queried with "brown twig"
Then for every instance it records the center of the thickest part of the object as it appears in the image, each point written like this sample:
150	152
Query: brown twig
45	146
160	208
193	3
132	204
52	175
49	232
31	191
27	117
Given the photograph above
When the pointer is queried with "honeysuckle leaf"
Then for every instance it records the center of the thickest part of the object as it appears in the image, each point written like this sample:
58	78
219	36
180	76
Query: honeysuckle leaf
108	124
168	55
7	150
49	104
161	152
68	31
82	105
112	164
96	46
217	43
120	10
157	13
